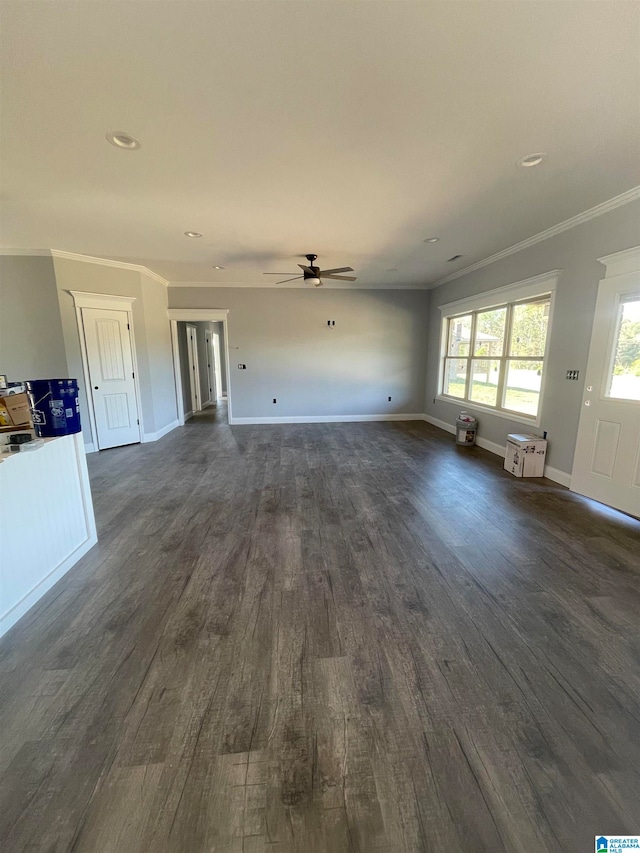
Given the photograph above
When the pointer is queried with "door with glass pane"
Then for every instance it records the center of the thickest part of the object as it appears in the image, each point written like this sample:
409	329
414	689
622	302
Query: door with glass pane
606	465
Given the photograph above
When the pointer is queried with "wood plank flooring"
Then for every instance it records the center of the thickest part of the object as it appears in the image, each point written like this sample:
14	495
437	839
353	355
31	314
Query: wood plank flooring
327	638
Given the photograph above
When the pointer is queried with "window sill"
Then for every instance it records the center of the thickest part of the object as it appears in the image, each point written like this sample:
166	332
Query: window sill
476	407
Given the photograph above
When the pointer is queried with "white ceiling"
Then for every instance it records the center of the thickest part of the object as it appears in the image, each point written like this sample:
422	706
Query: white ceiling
350	129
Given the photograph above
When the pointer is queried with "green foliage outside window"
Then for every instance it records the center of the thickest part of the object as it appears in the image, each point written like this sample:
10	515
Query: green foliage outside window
495	356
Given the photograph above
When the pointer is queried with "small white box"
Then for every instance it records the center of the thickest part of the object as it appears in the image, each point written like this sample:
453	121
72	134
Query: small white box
525	455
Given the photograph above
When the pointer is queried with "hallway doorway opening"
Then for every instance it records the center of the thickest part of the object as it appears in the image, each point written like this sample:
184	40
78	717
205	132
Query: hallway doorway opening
201	365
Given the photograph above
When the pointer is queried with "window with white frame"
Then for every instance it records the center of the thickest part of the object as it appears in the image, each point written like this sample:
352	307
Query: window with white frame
493	355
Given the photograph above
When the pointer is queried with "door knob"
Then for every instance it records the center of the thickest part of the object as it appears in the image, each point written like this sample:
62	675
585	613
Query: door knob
95	387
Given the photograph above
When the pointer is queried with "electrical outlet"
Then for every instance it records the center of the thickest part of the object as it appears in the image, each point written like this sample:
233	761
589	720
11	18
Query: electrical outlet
242	367
274	399
331	322
572	374
388	399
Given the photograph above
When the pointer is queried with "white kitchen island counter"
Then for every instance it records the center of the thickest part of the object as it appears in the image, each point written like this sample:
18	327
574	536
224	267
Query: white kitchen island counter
46	521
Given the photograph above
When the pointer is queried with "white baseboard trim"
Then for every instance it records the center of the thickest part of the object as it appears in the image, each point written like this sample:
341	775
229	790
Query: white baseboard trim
188	415
550	473
90	448
557	476
18	610
440	424
326	419
154	436
491	446
208	403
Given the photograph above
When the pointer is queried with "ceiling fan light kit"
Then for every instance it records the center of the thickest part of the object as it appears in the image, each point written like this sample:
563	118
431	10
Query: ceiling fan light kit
314	275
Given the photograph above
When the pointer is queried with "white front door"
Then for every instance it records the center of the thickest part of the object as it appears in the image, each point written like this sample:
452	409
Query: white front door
606	466
110	365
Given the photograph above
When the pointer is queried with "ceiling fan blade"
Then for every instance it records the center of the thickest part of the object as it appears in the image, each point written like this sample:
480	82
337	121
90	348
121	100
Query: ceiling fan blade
308	270
278	273
338	269
340	277
289	279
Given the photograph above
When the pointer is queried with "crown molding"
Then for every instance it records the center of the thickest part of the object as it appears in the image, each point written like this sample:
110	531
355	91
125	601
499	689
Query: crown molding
154	275
38	253
328	285
619	263
108	262
523	289
606	206
89	259
617	201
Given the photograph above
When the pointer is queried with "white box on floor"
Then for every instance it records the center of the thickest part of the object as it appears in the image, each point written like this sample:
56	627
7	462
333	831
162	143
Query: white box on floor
525	455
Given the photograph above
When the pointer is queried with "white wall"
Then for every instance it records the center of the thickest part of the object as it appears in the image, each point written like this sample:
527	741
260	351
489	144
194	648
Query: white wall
377	349
31	339
575	253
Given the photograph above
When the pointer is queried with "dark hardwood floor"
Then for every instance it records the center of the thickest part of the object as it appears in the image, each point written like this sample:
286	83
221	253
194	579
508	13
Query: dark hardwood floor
327	638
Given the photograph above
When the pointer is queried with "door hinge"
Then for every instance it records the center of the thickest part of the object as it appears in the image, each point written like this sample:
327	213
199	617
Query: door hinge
138	421
133	376
128	326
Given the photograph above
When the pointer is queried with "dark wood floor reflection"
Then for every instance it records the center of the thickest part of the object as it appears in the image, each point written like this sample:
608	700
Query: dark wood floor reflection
327	638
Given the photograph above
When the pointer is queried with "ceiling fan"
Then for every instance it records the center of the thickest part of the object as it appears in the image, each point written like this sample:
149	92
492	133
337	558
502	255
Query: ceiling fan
314	275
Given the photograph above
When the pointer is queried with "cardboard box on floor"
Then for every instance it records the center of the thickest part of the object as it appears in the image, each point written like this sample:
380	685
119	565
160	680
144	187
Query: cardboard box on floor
17	407
525	455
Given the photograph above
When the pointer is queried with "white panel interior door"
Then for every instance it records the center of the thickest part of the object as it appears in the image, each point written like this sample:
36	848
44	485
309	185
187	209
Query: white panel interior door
194	371
215	343
110	363
606	465
211	372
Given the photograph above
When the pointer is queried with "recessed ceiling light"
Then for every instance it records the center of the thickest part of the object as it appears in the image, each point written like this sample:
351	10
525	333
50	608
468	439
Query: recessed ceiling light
531	160
219	268
192	234
431	240
123	140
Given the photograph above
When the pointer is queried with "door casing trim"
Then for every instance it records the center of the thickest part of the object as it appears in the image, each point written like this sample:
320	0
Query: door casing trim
105	301
212	315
